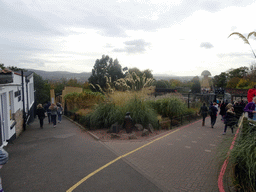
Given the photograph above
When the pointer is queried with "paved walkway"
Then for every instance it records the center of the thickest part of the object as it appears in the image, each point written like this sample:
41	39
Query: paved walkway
183	161
54	159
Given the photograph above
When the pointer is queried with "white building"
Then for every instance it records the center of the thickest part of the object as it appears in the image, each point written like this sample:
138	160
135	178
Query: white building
16	103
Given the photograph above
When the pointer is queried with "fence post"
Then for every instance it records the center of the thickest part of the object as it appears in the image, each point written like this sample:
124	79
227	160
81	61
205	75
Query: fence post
181	119
171	123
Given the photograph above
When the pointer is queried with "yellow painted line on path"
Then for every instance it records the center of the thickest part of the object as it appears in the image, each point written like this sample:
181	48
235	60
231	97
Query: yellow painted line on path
111	162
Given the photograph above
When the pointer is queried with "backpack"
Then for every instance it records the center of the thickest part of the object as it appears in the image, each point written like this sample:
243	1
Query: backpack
210	111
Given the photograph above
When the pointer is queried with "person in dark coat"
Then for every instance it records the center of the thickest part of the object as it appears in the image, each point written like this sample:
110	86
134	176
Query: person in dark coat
250	108
213	113
230	118
238	109
41	114
203	111
222	110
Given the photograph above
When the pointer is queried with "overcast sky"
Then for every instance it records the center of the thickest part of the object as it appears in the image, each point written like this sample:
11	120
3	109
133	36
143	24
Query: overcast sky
175	37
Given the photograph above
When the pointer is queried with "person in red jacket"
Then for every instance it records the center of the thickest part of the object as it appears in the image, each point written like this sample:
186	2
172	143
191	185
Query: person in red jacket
251	93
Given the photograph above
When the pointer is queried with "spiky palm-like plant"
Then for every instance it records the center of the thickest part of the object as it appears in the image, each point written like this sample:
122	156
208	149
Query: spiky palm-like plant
245	39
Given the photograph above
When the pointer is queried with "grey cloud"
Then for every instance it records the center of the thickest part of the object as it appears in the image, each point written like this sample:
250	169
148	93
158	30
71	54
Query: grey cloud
33	63
12	21
206	45
134	46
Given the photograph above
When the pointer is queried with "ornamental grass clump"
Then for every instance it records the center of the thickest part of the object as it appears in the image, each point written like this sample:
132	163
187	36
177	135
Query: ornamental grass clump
244	158
104	115
83	100
141	112
169	107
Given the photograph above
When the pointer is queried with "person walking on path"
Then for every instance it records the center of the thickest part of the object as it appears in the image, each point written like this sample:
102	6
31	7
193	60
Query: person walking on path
59	111
53	109
230	118
222	110
203	111
250	108
46	108
213	113
41	114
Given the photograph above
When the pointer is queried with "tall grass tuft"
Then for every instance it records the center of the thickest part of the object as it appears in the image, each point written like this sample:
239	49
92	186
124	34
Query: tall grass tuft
105	114
169	107
141	112
244	158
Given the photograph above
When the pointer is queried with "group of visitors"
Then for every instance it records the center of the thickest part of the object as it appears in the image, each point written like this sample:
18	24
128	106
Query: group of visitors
50	110
230	112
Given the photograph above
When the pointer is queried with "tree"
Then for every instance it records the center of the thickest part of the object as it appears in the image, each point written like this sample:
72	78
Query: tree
162	84
114	70
232	83
42	89
220	80
243	84
138	79
175	83
196	86
239	72
105	67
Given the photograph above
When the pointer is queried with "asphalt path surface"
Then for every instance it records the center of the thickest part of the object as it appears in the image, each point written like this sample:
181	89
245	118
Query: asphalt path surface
55	159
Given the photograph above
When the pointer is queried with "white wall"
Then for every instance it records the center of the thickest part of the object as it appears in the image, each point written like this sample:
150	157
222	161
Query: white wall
17	103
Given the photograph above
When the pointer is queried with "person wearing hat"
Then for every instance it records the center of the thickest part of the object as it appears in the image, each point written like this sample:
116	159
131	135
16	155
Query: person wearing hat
230	118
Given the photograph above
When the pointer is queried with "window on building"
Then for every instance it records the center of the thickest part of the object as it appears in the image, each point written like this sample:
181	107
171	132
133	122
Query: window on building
31	93
11	105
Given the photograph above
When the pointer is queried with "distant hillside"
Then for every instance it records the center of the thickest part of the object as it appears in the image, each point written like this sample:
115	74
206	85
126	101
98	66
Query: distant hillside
168	77
57	75
82	77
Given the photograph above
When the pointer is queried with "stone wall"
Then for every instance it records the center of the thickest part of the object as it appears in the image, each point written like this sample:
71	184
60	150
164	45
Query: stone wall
18	116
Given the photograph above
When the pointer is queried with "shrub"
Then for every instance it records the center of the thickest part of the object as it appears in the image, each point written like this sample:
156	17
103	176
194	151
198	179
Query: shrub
105	114
141	112
169	107
83	100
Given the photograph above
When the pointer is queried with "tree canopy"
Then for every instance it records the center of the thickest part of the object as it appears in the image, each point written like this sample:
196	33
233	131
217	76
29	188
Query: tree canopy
105	67
196	86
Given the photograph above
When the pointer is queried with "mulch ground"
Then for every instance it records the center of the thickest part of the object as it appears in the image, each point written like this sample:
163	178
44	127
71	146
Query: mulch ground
104	136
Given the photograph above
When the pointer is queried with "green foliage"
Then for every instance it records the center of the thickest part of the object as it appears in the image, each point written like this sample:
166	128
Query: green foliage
243	83
220	80
106	114
141	112
105	67
162	84
169	107
232	83
196	86
84	99
42	89
175	83
243	158
239	72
